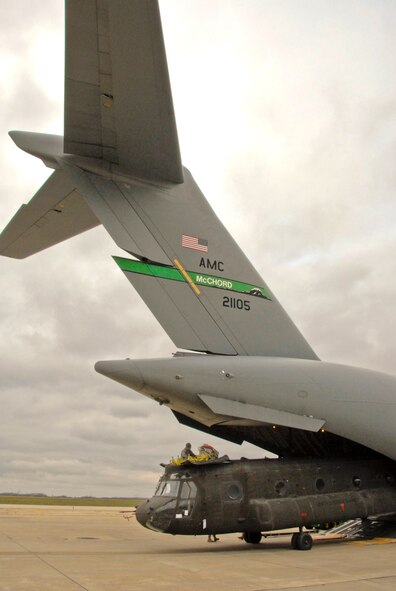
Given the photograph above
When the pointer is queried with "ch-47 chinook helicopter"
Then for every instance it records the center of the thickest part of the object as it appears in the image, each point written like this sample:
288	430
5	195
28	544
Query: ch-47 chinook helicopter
246	373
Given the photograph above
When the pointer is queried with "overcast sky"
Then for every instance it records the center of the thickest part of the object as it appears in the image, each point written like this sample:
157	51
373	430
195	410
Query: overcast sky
286	112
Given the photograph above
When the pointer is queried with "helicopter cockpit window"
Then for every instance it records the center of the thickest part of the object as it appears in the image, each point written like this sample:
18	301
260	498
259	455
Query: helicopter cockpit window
168	488
171	488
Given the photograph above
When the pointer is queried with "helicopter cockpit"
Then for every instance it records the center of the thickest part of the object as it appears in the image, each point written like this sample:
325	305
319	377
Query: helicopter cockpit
174	499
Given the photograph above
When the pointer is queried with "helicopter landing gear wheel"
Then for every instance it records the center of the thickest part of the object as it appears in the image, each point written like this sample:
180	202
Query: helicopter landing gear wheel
253	537
301	541
294	539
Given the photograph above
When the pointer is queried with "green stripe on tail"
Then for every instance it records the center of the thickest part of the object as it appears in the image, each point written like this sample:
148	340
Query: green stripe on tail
200	279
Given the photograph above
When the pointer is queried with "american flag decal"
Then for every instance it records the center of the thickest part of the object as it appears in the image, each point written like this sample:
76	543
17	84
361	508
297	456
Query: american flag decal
194	242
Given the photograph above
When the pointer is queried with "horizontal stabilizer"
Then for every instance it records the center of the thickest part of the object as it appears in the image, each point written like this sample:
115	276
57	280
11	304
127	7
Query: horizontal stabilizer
55	213
232	408
42	145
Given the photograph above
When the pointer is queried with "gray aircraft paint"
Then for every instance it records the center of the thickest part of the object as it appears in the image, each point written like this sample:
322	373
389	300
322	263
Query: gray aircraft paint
354	403
119	108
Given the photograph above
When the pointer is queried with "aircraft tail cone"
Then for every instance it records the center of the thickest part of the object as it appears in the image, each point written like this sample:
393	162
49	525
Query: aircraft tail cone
125	372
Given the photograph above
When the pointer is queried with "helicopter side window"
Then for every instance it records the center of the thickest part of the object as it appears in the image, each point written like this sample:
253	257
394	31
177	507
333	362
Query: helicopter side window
158	487
187	497
189	490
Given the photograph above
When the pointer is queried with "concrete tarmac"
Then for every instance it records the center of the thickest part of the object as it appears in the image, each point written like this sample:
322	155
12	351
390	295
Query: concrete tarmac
96	549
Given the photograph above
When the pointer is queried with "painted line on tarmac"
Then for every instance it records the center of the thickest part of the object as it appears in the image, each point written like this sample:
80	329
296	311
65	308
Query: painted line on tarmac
375	541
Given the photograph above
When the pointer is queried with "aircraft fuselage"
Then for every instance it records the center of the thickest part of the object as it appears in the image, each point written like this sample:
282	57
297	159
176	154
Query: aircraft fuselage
298	394
254	496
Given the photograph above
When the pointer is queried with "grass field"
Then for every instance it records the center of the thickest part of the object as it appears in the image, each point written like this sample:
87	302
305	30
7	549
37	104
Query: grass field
76	502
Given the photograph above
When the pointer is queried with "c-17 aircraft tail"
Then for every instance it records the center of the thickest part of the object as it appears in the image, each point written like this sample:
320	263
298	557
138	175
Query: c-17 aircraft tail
119	165
189	270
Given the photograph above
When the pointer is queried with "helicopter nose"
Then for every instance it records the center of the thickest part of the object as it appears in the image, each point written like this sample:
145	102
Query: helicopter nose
143	512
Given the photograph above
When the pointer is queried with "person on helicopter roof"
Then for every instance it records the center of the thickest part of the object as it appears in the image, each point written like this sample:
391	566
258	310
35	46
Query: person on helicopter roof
187	452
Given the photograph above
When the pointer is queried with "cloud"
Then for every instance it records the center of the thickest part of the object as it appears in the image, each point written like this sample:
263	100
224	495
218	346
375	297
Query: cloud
287	119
